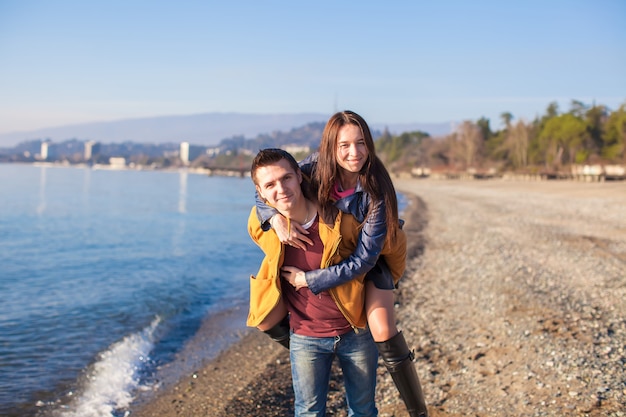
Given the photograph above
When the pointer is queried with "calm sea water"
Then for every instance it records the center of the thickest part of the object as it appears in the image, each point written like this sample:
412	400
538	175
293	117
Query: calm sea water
105	274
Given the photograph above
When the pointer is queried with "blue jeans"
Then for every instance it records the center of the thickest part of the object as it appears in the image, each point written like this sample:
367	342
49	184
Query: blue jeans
311	361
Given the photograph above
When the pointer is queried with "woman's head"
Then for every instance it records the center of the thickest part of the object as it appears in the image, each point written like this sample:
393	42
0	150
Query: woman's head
347	144
347	151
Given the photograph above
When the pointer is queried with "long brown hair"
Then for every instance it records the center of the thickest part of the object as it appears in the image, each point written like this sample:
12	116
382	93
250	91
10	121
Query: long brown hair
373	177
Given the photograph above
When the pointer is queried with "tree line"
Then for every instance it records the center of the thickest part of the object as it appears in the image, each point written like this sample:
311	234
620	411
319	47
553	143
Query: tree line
585	134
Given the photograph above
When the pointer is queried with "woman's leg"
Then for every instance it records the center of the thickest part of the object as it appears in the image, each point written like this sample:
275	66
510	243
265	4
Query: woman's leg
380	312
392	346
276	324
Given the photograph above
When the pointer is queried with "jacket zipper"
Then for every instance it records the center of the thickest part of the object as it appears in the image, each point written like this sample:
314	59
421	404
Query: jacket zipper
332	290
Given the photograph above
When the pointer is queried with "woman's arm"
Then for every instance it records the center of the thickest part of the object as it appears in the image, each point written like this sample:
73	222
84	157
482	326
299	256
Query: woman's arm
369	247
391	262
264	212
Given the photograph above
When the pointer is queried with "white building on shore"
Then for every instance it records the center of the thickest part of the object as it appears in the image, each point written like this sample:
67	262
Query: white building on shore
184	152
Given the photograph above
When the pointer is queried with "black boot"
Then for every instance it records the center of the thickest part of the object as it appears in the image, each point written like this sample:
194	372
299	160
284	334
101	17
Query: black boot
280	332
398	360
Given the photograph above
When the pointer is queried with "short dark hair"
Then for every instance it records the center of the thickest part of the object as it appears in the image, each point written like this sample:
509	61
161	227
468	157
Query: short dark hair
270	156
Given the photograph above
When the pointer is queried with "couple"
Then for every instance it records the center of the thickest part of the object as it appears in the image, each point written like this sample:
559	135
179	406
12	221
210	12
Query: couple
311	293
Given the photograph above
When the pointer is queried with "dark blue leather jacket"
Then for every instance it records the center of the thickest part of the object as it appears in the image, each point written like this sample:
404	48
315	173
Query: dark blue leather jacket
370	244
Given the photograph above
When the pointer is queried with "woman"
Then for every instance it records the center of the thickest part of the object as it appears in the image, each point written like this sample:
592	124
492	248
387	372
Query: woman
350	177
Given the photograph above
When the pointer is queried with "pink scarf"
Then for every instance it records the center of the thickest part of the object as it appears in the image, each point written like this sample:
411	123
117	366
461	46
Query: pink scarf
337	194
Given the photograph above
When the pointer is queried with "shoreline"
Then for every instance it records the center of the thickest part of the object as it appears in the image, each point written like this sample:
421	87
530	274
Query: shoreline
217	334
505	284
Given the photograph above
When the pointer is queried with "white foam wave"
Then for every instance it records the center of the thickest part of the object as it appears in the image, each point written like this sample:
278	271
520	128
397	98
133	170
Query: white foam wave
114	377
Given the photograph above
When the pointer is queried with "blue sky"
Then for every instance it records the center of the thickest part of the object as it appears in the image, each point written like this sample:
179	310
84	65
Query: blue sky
65	62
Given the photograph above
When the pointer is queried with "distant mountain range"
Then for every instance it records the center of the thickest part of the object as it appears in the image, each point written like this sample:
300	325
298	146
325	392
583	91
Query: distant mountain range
200	129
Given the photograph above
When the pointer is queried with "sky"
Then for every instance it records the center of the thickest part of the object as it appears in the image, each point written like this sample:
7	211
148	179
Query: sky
65	62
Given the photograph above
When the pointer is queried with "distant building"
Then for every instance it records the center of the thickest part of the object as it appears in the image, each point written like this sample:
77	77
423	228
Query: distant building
184	152
91	148
43	154
188	153
213	151
49	151
117	162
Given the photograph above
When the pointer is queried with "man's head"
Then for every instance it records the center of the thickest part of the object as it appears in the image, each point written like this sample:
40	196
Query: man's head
277	179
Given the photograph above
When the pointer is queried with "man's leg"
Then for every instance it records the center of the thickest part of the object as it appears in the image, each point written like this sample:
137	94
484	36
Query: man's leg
311	360
358	358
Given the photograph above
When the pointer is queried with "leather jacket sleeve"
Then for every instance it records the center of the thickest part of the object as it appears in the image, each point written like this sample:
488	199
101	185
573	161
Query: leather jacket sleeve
369	247
264	212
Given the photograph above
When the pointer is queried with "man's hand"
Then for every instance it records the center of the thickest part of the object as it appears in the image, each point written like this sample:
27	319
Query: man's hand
295	237
294	276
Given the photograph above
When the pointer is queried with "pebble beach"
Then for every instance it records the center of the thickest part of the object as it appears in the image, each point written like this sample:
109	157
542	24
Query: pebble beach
514	302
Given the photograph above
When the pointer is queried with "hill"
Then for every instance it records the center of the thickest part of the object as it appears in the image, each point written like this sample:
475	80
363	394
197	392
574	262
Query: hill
201	129
205	129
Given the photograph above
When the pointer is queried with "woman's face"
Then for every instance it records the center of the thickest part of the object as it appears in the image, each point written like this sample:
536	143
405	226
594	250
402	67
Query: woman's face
351	150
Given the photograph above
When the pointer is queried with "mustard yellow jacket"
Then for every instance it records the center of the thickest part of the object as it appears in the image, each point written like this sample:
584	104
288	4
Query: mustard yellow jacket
339	242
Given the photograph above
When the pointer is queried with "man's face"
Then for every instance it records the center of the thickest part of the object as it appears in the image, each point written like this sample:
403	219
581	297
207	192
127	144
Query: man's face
351	148
279	185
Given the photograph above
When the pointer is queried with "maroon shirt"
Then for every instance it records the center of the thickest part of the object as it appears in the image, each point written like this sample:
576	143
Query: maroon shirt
310	314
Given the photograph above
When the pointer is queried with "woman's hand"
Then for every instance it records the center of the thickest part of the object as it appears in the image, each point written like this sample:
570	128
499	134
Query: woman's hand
295	237
294	276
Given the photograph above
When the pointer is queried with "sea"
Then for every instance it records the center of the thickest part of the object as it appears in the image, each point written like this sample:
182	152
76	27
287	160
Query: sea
107	275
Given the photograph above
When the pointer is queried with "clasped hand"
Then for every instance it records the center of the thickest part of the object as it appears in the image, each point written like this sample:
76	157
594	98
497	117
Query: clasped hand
294	276
293	236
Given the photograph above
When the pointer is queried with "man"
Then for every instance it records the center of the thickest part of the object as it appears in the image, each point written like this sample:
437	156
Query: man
323	326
